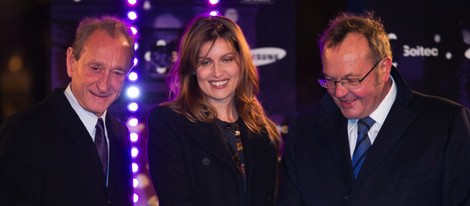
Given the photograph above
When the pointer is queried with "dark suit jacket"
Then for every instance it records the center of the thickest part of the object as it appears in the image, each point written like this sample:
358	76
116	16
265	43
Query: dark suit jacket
190	165
47	157
421	156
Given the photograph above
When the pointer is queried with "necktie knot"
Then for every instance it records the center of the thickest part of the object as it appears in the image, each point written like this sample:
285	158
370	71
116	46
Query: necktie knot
365	123
99	132
363	143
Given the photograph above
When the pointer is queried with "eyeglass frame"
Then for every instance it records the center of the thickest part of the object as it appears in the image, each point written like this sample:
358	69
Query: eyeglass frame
324	82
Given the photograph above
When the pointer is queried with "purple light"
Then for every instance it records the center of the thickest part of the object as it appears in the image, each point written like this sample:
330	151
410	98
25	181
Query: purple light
132	106
136	198
134	152
132	15
213	2
135	167
134	29
135	182
133	92
214	13
133	121
136	61
134	137
132	2
136	46
133	76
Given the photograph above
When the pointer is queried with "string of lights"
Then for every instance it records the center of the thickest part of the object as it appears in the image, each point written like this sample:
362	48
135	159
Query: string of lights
133	93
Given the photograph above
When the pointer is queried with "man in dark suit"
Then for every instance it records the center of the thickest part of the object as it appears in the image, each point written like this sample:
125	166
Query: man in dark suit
415	149
52	153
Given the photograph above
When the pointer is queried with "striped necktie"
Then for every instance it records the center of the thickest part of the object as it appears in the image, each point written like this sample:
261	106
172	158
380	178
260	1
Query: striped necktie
362	145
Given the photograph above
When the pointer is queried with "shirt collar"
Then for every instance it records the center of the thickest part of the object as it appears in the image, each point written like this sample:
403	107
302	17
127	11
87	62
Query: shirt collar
88	119
384	107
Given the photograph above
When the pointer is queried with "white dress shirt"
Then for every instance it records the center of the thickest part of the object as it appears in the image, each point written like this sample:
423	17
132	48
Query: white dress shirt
378	115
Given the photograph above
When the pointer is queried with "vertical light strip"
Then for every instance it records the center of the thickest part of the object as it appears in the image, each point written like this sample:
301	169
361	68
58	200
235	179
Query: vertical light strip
133	93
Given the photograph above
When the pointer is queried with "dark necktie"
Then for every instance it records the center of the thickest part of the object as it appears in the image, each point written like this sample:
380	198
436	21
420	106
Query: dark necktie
362	145
101	144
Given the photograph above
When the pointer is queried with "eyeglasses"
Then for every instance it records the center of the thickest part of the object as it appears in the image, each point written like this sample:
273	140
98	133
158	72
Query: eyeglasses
353	83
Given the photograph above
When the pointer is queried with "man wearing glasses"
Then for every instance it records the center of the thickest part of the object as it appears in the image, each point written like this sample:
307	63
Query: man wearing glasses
372	140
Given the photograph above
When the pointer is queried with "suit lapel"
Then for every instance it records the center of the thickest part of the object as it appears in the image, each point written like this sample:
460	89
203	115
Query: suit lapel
333	133
396	123
116	161
75	129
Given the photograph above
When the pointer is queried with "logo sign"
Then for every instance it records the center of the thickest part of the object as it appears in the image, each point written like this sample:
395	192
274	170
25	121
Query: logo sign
420	51
267	55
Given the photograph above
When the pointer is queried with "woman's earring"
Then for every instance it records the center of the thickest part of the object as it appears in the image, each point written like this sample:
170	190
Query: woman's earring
194	72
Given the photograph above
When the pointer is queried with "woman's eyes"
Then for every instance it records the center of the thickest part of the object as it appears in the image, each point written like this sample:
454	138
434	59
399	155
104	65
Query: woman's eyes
224	60
227	59
205	62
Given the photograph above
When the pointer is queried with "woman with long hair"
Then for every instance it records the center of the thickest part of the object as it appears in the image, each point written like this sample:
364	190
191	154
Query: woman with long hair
212	142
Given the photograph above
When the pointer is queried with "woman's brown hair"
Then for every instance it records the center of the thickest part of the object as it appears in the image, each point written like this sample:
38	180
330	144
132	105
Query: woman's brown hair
185	95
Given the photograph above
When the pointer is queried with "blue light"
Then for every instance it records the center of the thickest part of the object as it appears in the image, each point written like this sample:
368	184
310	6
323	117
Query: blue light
134	137
136	46
133	92
132	106
132	15
133	76
134	152
135	167
136	61
134	30
133	121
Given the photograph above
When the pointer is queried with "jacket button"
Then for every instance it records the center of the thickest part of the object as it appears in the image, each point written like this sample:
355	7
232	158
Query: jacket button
206	161
347	197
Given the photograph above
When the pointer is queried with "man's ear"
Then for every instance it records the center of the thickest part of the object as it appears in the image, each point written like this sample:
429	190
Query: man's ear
386	66
70	61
